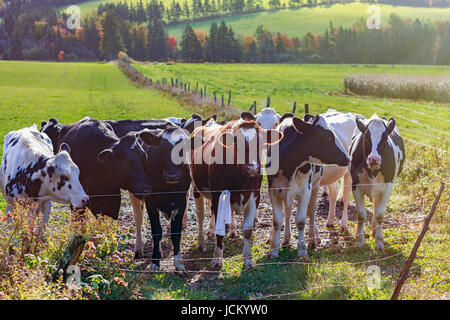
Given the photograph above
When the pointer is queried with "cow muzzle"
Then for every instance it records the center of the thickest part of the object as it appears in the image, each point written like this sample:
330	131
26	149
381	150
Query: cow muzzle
171	178
253	170
373	162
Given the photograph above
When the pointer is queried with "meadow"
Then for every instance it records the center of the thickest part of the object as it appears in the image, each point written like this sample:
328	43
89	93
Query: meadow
321	86
297	22
31	92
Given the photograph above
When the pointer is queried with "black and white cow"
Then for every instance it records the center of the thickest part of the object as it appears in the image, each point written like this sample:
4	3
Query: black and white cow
377	156
30	169
313	143
107	163
170	187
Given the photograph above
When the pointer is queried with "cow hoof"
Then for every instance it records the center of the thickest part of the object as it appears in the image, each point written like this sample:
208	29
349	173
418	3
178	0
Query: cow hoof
248	264
201	248
155	267
302	254
210	235
286	243
330	225
181	270
379	247
217	263
359	243
273	254
233	234
138	255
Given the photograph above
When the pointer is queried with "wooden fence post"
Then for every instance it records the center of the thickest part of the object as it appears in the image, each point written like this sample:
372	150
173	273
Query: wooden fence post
215	98
405	272
306	108
294	107
268	102
229	98
222	100
70	255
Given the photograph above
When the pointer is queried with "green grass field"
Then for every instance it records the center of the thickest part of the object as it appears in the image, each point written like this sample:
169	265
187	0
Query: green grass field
297	22
31	92
312	84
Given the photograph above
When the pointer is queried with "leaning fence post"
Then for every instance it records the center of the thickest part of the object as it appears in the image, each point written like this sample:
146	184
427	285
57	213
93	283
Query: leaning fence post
70	255
196	87
405	272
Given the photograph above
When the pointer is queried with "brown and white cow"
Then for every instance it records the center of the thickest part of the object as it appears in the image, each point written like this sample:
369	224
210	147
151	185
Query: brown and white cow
230	159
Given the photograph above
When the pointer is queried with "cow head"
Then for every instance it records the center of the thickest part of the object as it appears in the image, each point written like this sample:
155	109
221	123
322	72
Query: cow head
247	139
320	141
268	118
127	159
375	139
172	141
196	121
63	179
52	128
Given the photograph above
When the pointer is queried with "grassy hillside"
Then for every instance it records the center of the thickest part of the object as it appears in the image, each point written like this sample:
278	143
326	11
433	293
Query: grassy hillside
312	84
297	22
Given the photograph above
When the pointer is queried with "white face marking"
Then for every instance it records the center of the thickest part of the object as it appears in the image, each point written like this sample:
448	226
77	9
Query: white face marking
249	134
174	137
376	129
268	118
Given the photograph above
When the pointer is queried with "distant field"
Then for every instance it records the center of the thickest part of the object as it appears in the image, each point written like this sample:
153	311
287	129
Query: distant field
34	91
297	22
312	84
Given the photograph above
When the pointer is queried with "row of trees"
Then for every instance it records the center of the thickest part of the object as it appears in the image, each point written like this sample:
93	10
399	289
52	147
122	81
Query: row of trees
33	33
196	10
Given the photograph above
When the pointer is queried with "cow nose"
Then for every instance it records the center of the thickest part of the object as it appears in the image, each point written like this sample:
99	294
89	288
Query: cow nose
171	178
374	159
84	201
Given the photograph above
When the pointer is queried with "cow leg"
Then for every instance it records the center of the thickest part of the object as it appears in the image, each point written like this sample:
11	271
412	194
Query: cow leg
218	250
233	232
138	212
247	228
333	189
300	221
345	200
277	207
287	210
156	235
380	208
362	216
9	209
185	215
313	232
200	211
45	207
212	222
176	228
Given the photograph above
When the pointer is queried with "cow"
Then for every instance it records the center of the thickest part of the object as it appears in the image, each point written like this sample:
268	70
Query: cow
107	163
377	156
267	118
30	169
229	160
170	186
313	144
190	124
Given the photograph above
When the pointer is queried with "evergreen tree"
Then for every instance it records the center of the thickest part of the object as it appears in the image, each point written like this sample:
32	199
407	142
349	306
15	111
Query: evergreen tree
191	48
112	42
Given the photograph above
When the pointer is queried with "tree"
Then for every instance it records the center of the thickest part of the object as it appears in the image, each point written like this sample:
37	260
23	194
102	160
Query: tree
157	42
112	42
191	48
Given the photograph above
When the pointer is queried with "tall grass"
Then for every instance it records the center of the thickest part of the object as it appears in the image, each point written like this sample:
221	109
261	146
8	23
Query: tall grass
429	88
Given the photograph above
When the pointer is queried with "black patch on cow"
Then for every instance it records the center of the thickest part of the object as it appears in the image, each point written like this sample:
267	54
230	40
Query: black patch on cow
22	182
70	187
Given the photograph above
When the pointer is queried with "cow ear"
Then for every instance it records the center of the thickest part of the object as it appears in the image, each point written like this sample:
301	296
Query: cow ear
196	116
150	137
273	136
106	156
43	123
300	125
361	126
247	116
64	147
285	116
226	139
309	117
183	121
390	126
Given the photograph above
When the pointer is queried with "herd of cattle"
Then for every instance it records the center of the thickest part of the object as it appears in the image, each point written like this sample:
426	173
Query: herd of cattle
87	163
